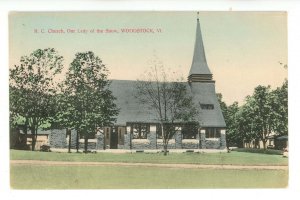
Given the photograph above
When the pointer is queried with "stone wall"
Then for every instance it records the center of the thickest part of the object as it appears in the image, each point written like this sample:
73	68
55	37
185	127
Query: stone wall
178	138
171	144
100	141
223	139
152	137
57	138
202	139
190	143
140	144
127	137
212	143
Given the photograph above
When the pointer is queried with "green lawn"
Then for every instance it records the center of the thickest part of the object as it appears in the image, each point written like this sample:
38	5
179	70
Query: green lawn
91	177
235	158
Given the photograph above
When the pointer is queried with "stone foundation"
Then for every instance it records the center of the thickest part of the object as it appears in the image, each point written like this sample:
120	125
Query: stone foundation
171	144
212	143
58	139
190	144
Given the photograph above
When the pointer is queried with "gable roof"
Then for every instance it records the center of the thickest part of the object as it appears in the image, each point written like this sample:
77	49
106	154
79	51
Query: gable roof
131	110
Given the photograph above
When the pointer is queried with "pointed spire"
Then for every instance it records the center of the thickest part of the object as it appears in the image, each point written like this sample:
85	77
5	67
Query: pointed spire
199	65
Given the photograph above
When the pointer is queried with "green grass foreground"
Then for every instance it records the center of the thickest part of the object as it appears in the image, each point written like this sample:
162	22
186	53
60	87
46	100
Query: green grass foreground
91	177
234	158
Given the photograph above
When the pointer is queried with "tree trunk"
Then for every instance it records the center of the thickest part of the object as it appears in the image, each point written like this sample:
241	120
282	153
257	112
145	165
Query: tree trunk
264	140
77	141
165	149
264	144
85	143
33	138
165	144
69	140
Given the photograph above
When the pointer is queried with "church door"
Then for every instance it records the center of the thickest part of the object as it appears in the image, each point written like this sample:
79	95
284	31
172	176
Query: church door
114	138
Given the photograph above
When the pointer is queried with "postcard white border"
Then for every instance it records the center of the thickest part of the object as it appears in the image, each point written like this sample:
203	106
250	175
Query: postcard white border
293	8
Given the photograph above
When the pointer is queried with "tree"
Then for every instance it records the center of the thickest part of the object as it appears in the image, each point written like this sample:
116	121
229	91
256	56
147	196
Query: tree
245	123
233	136
231	117
87	103
169	101
280	107
261	114
32	87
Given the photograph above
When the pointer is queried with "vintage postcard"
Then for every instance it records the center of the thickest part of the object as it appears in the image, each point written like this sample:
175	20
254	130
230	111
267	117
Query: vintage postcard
148	100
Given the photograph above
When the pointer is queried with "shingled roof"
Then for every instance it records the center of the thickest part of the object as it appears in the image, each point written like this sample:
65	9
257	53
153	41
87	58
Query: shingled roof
131	110
204	93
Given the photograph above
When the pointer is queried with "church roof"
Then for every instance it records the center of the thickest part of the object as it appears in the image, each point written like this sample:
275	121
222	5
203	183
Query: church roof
131	110
205	94
199	64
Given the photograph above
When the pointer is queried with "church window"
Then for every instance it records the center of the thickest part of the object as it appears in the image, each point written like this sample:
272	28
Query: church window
207	106
140	131
213	132
189	131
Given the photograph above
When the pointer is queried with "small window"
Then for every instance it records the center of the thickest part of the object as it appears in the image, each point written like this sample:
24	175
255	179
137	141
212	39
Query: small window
140	131
207	106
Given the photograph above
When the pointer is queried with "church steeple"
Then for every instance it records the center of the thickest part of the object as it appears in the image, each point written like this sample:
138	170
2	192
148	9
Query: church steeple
199	71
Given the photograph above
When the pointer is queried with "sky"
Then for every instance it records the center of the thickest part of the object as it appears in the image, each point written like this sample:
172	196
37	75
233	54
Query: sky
243	49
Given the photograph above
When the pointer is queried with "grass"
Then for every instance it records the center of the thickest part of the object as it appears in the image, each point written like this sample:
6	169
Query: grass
234	158
83	177
267	151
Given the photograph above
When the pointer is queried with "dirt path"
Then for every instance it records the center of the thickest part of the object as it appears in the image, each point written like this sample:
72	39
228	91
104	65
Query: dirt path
181	166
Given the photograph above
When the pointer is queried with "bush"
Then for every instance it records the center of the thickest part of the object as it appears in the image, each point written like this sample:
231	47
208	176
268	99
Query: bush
45	148
250	150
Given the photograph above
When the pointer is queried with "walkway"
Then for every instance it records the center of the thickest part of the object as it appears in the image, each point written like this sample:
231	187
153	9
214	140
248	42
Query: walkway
181	166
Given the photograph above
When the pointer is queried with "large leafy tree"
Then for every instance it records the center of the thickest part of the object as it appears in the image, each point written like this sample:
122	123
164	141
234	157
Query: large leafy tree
86	102
245	124
280	107
32	87
169	101
260	112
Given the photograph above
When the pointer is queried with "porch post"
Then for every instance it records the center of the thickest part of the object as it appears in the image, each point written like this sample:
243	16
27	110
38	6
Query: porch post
178	138
128	130
152	137
223	139
202	138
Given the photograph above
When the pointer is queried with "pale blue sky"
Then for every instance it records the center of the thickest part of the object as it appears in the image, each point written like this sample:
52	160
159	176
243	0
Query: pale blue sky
242	48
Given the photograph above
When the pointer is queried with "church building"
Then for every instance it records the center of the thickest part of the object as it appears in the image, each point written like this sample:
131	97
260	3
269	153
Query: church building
136	128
